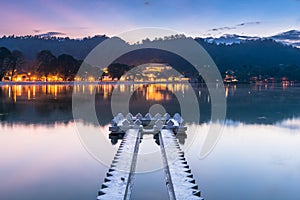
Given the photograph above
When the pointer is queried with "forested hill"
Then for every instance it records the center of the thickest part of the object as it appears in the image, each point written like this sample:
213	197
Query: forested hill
264	52
265	57
30	46
261	56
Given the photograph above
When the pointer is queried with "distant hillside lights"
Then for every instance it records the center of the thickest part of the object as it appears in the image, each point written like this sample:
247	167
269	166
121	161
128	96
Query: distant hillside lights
154	72
265	80
108	79
29	77
21	77
54	78
230	77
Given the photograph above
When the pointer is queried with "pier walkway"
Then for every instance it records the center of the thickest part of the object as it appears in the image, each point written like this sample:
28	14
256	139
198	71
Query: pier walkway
120	176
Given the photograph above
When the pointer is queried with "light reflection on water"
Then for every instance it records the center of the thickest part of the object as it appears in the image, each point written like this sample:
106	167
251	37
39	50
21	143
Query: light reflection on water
29	92
36	104
256	157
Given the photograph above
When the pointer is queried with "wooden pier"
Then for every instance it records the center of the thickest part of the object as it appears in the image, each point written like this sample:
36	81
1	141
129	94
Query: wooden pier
120	176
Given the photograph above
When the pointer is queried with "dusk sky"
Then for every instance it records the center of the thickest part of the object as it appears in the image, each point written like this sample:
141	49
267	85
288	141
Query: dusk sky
192	17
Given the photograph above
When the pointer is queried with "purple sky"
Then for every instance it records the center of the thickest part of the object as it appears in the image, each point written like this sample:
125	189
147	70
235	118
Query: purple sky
79	18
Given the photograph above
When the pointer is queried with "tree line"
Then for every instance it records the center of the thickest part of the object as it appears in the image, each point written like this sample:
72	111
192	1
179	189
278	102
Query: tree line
10	61
45	64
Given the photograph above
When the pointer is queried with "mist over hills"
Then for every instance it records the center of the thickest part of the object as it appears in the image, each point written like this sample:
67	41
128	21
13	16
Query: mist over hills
291	37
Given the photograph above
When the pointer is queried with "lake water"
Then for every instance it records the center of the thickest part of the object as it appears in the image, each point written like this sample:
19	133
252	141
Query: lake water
257	156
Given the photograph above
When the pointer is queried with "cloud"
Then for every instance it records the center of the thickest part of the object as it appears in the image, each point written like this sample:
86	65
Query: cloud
225	28
51	34
222	28
248	23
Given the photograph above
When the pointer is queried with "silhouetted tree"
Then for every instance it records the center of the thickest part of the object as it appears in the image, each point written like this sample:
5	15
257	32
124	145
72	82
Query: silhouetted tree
67	66
4	57
15	62
47	63
116	70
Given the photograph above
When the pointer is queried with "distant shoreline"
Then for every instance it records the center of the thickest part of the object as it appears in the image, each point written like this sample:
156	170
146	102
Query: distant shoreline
124	83
88	83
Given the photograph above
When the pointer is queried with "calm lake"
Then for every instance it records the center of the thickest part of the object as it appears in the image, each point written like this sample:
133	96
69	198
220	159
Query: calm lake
257	156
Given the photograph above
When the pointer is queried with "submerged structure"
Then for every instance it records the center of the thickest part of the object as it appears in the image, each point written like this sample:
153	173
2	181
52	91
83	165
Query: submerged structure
120	176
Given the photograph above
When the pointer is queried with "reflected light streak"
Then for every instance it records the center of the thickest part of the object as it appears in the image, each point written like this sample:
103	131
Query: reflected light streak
28	94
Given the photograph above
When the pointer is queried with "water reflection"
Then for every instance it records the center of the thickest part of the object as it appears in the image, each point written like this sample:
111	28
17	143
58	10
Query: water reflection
49	104
230	90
